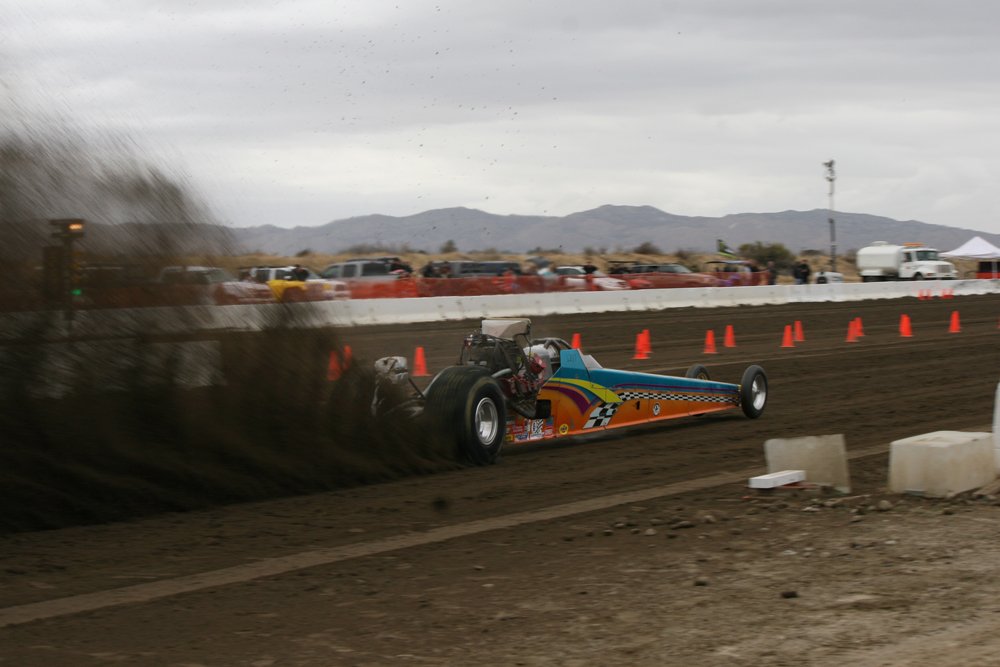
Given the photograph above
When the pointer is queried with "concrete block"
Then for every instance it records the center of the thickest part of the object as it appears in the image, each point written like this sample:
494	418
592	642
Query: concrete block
823	457
942	462
776	479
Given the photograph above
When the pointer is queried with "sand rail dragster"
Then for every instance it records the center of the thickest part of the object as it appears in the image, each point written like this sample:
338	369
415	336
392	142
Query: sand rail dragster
510	388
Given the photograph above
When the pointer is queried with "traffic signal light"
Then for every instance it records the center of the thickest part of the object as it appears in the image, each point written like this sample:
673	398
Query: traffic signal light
76	273
69	228
63	265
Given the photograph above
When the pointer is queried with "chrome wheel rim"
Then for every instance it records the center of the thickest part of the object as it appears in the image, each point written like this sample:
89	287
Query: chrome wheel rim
758	392
487	421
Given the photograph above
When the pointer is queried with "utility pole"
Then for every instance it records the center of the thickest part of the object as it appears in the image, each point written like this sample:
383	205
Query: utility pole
831	176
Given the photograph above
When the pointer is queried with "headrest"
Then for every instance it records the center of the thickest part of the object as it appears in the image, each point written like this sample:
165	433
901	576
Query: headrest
507	329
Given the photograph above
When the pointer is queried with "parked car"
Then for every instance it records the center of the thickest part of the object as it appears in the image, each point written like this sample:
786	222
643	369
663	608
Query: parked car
664	275
474	278
734	272
288	287
449	269
500	268
395	263
205	285
372	278
574	279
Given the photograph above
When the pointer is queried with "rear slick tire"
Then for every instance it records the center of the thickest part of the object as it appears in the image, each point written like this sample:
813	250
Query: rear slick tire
753	392
466	407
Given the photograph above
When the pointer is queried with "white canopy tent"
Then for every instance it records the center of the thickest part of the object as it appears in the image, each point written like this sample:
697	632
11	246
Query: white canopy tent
977	248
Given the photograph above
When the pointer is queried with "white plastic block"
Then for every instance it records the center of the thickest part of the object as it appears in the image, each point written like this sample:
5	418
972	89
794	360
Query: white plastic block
775	479
941	463
823	457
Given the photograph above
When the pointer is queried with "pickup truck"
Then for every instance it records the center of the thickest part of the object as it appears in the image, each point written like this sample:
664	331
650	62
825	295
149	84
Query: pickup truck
290	288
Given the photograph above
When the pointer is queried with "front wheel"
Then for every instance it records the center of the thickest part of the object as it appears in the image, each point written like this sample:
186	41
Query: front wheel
753	392
917	276
466	407
698	372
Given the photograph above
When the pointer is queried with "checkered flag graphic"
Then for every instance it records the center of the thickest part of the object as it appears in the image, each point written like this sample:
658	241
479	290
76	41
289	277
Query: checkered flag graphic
657	396
601	415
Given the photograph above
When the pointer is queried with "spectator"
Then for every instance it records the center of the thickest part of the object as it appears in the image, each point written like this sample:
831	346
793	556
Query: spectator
509	281
300	273
803	273
772	273
396	264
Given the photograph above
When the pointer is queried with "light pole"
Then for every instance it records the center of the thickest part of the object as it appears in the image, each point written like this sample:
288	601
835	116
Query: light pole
831	176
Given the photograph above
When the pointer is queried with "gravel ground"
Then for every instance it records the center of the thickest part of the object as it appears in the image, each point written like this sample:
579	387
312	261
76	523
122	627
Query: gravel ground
702	572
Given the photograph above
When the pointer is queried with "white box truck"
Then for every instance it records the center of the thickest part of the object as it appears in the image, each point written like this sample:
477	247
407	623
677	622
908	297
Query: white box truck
910	261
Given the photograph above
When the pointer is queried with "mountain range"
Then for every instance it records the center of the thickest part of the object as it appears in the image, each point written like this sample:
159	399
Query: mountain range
604	229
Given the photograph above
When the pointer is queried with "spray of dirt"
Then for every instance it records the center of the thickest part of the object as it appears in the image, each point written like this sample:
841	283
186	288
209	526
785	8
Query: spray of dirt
270	424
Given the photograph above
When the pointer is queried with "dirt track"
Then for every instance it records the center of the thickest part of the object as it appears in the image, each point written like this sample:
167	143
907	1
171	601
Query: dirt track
707	576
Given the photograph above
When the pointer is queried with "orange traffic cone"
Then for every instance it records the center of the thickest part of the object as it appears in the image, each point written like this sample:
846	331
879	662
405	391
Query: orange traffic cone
852	331
904	326
646	345
799	335
576	342
859	328
640	347
334	369
419	363
710	342
729	340
788	340
955	326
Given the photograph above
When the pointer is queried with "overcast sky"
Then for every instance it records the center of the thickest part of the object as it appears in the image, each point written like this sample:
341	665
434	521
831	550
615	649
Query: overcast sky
299	113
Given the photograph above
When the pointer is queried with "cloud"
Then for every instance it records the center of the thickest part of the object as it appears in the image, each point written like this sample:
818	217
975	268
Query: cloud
303	112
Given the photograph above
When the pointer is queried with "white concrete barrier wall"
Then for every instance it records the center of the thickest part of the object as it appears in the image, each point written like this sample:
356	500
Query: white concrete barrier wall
996	430
167	321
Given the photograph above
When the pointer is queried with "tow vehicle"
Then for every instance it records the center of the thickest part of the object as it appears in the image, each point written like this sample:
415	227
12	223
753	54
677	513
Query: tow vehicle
508	388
